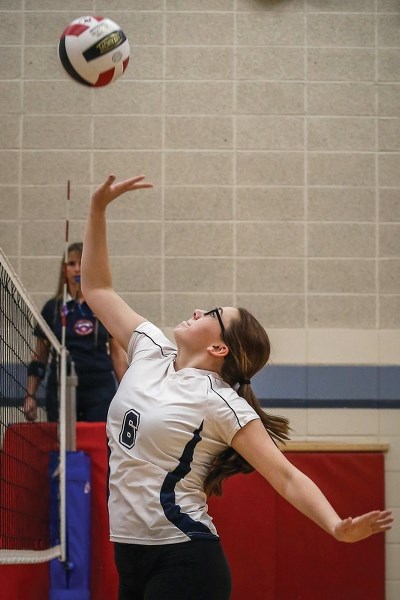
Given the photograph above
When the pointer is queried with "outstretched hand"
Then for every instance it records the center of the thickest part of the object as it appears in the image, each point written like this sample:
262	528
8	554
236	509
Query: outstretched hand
109	190
359	528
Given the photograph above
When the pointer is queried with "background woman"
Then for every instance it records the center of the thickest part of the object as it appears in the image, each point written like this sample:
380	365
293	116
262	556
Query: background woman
99	360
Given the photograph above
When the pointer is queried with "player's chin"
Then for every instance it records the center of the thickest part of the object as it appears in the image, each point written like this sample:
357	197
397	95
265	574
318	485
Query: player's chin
180	332
182	325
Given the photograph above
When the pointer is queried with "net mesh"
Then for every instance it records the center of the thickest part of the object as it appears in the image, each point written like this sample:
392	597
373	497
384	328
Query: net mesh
29	512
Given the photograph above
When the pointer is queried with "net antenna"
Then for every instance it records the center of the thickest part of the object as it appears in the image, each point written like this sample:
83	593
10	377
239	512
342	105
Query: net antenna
65	284
32	520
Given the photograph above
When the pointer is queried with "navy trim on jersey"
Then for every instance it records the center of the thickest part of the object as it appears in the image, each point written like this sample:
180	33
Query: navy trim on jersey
155	343
193	529
227	403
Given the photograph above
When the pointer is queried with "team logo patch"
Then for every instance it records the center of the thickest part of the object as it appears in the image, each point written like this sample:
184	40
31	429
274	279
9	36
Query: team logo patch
83	327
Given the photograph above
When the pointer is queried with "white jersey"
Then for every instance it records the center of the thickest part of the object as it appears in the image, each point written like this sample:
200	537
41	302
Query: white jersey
164	429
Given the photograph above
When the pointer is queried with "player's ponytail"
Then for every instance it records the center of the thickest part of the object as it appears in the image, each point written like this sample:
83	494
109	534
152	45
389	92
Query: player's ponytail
249	350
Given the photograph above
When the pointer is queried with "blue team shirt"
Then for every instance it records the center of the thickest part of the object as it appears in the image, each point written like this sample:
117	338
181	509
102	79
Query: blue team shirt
86	339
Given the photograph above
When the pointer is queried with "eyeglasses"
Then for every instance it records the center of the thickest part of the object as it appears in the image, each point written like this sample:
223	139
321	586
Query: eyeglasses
217	312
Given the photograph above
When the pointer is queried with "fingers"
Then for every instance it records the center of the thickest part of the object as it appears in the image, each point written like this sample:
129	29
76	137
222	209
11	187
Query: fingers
380	528
376	514
135	183
127	182
378	521
386	513
30	415
380	516
110	189
363	526
30	409
131	184
108	182
384	521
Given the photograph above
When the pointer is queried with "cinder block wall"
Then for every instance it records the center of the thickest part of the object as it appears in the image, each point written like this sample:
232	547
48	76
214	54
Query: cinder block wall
271	130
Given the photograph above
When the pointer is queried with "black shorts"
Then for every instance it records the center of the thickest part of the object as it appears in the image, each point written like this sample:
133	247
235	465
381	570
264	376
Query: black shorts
195	570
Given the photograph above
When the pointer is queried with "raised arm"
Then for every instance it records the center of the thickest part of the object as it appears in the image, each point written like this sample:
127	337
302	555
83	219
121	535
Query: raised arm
254	444
115	314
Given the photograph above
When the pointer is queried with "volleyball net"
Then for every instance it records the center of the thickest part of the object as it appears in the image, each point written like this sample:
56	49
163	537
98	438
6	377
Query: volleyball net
32	454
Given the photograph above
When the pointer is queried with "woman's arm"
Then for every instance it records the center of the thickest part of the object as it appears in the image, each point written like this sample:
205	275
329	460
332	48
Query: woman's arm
40	358
255	445
115	314
119	359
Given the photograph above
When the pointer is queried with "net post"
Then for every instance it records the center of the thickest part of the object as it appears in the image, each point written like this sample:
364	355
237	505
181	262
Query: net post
70	410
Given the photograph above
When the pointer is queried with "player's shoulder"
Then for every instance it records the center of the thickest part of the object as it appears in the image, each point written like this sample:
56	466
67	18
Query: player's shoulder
227	411
221	392
219	388
148	336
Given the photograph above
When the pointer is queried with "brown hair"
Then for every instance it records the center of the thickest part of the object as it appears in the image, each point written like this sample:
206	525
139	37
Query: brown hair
249	350
74	247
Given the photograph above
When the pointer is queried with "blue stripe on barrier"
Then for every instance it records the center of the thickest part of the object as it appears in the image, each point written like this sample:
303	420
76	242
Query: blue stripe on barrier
333	386
292	386
337	403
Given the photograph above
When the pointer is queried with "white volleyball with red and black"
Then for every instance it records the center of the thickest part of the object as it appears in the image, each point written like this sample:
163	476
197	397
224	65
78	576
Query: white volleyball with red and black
94	51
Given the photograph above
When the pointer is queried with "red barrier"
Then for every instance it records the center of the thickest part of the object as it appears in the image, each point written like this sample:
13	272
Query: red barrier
24	466
275	553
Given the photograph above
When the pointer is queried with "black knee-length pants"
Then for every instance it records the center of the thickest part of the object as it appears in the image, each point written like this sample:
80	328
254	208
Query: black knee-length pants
195	570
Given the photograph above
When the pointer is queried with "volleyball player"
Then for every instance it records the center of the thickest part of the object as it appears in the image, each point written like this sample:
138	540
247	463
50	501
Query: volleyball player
183	419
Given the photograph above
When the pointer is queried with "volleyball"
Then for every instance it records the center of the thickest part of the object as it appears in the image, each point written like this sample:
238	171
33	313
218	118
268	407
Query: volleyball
94	51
